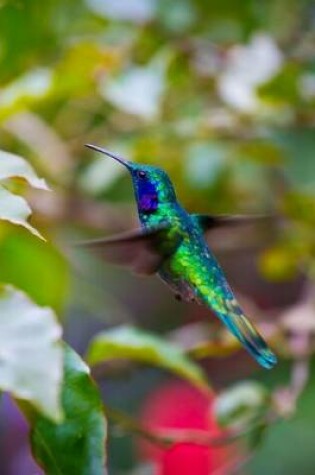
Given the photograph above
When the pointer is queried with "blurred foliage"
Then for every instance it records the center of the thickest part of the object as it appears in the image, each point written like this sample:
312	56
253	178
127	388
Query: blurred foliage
241	404
136	345
221	94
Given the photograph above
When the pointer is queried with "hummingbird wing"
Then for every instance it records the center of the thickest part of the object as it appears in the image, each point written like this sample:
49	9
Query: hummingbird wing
208	222
143	251
252	230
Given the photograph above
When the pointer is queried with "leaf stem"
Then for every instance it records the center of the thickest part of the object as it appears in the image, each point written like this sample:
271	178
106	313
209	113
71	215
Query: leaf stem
167	437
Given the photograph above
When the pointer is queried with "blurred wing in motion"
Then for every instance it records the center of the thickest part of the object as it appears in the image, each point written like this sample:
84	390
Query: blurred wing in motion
207	222
143	251
234	233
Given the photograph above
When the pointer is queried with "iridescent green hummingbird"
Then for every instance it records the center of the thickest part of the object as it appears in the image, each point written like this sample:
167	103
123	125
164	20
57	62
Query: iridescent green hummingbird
171	243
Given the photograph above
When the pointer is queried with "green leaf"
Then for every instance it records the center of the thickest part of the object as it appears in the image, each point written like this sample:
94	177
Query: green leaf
298	143
30	352
18	252
14	208
134	344
238	406
77	445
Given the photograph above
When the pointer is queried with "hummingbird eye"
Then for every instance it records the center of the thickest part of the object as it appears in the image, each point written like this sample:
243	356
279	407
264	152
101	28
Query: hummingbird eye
141	174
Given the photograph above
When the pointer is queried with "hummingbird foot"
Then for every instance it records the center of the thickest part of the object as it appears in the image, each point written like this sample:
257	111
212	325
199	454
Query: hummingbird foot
189	298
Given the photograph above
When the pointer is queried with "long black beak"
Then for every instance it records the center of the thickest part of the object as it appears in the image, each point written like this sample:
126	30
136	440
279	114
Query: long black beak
109	154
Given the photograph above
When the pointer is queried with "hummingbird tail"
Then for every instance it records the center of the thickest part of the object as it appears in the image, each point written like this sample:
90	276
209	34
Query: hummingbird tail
247	334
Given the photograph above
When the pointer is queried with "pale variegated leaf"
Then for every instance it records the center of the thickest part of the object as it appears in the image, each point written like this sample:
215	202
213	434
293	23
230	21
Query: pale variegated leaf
13	166
31	356
14	208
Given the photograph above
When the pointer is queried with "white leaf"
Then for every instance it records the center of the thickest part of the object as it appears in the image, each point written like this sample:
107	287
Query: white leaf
14	208
248	67
31	356
239	405
33	84
13	166
139	90
136	11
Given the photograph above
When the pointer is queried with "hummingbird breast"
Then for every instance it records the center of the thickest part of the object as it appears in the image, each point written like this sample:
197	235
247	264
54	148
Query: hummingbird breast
195	270
192	270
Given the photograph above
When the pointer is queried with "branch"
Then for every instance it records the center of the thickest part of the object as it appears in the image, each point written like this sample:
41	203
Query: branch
167	438
285	398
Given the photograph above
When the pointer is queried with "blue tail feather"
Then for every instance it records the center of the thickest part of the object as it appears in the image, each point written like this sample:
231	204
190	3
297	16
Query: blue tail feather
246	333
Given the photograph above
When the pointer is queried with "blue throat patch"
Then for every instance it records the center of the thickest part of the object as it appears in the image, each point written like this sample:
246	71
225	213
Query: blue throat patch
148	198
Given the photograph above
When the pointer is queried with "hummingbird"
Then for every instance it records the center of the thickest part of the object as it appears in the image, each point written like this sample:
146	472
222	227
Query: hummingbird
171	243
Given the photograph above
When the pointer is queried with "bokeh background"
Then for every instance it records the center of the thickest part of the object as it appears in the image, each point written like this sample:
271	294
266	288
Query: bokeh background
221	94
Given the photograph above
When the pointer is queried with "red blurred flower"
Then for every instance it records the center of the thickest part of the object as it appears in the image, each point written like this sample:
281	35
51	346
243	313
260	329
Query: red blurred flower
177	405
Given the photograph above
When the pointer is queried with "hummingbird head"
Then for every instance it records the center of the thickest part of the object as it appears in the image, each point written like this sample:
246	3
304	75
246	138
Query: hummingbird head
152	186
